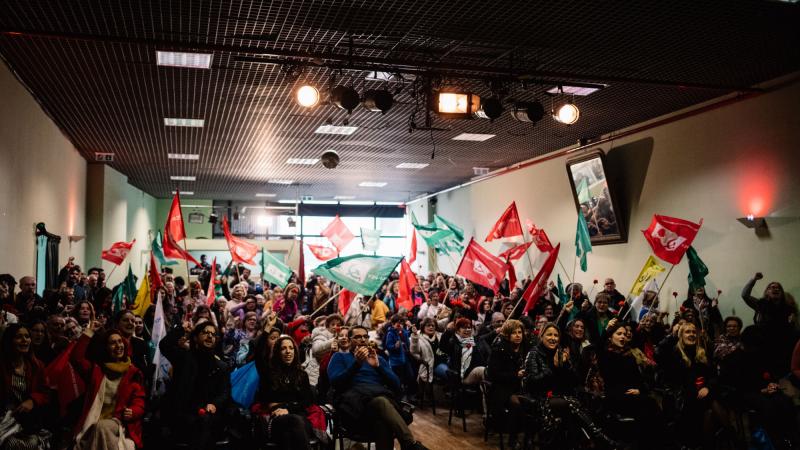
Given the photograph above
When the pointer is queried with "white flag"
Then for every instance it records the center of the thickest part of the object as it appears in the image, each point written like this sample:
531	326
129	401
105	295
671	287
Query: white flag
637	305
161	364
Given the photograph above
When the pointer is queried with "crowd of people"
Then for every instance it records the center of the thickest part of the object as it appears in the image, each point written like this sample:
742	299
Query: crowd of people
572	372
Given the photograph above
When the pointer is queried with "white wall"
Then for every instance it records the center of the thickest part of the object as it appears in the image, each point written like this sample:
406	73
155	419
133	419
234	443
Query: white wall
719	165
42	179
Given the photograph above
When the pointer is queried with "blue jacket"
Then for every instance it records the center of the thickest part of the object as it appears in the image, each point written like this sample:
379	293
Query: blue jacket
344	371
397	355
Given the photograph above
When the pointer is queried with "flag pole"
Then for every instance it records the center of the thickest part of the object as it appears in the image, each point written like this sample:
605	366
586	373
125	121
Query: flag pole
108	278
566	274
664	282
326	303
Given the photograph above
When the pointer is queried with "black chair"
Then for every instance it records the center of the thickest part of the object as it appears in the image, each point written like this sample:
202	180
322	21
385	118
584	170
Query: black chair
428	387
460	394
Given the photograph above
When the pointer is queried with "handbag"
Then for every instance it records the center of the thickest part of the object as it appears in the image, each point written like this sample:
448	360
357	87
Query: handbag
244	384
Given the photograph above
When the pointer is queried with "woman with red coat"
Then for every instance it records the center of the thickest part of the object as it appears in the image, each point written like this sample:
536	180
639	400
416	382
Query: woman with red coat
22	391
114	403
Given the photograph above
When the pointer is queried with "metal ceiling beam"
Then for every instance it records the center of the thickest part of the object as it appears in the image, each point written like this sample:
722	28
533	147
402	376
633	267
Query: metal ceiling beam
347	60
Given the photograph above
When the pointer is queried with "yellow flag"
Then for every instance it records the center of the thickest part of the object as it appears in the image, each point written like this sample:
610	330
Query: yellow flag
142	301
649	271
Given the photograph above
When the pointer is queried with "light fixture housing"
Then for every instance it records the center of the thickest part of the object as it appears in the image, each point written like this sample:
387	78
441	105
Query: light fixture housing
280	181
375	184
491	108
344	197
306	96
476	137
411	166
378	101
183	178
336	129
531	112
184	156
184	59
567	113
759	224
302	161
264	195
582	91
345	97
184	193
456	105
183	122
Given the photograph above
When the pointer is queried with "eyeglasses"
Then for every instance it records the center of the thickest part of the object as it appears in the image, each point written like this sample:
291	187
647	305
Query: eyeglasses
359	336
208	333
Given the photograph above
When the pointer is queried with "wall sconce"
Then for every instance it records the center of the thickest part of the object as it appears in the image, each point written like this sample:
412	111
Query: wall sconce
75	238
757	223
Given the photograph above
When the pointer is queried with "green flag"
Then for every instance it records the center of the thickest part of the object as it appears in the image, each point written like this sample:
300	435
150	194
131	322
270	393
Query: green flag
561	293
363	274
583	243
273	270
583	192
127	288
370	239
444	224
441	235
158	252
697	269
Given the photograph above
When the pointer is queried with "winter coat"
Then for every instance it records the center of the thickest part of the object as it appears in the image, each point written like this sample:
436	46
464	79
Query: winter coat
679	377
543	377
422	348
321	340
504	365
620	373
452	347
397	353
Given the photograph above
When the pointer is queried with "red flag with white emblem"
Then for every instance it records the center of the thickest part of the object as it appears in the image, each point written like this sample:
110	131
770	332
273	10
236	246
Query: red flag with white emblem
539	237
175	219
338	233
538	286
118	252
241	250
515	253
508	225
322	252
174	251
670	237
405	286
482	267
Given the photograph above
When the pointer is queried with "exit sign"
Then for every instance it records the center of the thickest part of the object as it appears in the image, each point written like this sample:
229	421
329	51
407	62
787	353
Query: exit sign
103	157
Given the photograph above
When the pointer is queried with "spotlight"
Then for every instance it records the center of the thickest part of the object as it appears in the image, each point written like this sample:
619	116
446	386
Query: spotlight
307	96
345	98
456	105
291	222
528	111
378	101
567	113
491	108
330	159
212	218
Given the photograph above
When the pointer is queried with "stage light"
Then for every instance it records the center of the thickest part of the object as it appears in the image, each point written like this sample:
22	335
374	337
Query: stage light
491	108
344	97
528	111
567	113
378	101
307	96
457	105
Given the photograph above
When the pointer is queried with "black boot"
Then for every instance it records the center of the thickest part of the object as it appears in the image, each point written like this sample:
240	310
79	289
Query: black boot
594	431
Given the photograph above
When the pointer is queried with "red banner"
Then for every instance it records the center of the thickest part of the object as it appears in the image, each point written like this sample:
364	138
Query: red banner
338	233
322	252
538	286
507	226
481	267
670	237
539	237
241	250
405	286
175	220
118	252
515	253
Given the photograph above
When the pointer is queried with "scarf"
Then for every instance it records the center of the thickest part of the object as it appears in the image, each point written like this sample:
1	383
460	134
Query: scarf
117	368
467	344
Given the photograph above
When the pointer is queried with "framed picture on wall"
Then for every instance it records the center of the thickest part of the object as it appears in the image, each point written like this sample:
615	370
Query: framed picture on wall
595	199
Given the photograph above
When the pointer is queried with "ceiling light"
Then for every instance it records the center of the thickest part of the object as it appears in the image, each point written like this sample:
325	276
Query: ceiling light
412	166
358	202
345	97
279	181
307	96
390	203
181	59
184	156
335	129
288	201
184	192
457	105
473	137
528	111
303	161
378	184
479	171
378	101
320	202
567	113
491	108
265	195
575	90
178	122
344	197
182	178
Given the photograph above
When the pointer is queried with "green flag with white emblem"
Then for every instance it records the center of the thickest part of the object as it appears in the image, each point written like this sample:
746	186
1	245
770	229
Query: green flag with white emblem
273	270
363	274
583	243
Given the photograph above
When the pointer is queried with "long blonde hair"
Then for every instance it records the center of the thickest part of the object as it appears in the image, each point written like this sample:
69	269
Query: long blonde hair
700	352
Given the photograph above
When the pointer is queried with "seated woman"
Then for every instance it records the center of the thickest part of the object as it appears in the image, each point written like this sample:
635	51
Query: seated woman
505	371
550	382
459	344
425	348
686	371
199	393
22	392
113	406
624	386
283	397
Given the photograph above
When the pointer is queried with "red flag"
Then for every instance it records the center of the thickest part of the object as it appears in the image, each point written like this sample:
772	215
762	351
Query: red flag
670	237
515	253
301	268
338	233
508	225
481	267
538	286
322	252
539	237
413	256
212	281
155	278
345	299
241	250
174	251
175	220
405	286
512	276
118	252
